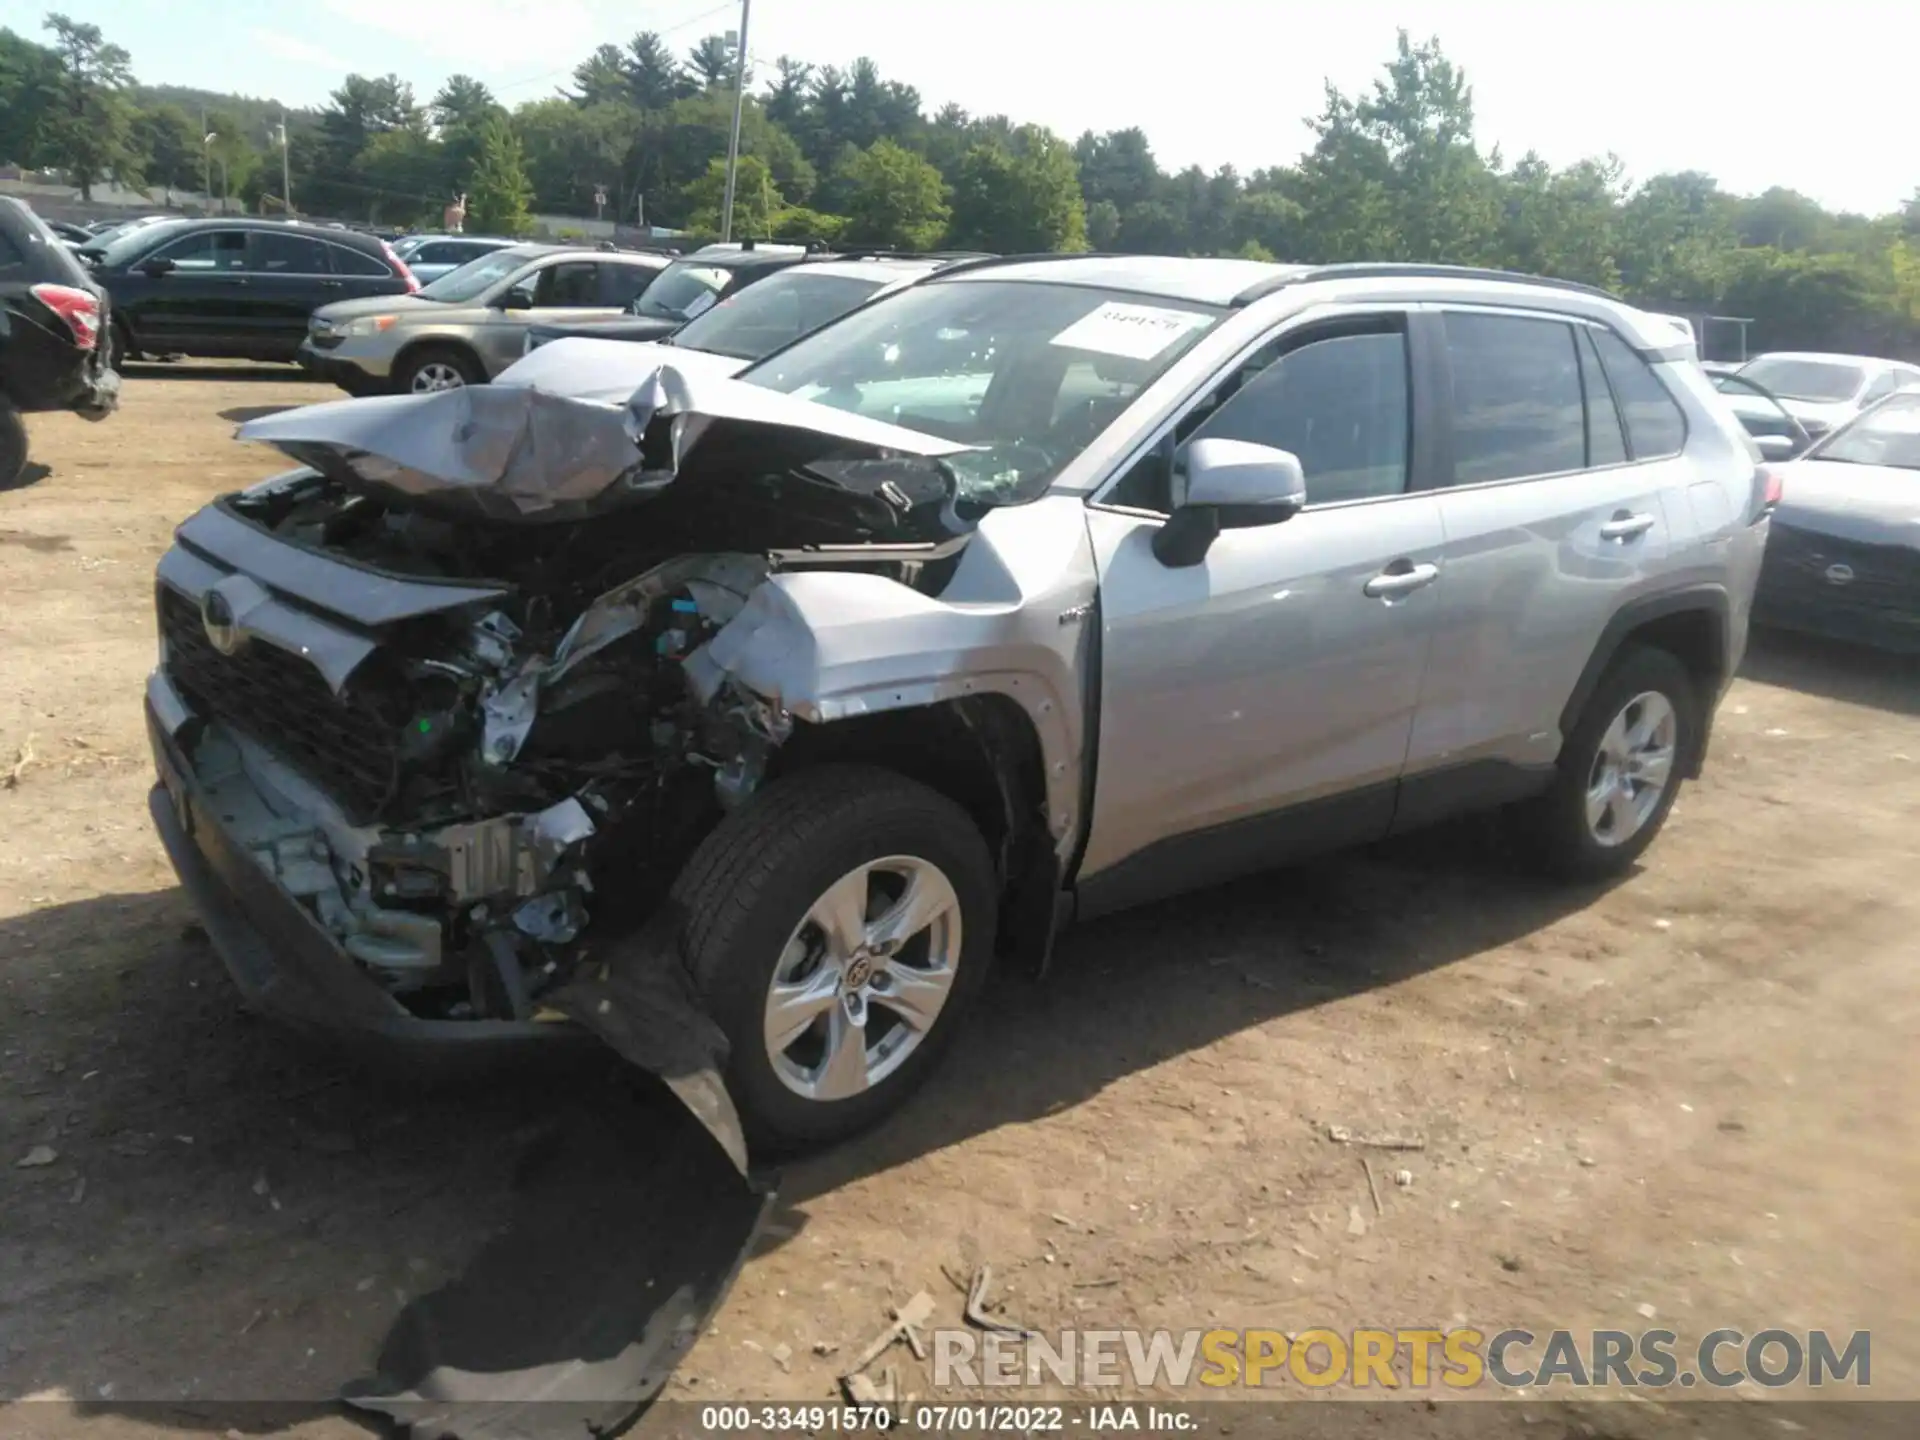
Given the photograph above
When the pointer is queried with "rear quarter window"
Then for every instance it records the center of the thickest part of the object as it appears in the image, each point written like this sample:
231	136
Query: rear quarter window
1656	426
348	261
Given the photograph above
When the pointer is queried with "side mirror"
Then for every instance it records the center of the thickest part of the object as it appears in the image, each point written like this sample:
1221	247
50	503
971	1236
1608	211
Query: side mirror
156	266
1227	485
1776	447
516	300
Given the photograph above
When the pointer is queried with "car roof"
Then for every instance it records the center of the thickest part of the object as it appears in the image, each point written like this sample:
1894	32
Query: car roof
1871	362
882	269
1203	281
359	240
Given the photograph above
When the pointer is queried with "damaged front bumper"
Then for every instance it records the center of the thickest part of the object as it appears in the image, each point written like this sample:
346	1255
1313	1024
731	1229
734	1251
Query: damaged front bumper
285	963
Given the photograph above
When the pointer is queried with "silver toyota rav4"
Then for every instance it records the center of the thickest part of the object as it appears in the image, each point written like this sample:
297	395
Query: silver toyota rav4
740	725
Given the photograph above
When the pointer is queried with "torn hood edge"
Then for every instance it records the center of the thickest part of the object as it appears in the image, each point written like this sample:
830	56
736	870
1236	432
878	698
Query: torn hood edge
539	449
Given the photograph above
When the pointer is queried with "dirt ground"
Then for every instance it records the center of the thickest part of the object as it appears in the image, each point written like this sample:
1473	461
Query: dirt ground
1689	1096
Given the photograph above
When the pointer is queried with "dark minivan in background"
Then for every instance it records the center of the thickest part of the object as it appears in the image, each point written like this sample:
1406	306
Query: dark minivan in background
52	316
239	289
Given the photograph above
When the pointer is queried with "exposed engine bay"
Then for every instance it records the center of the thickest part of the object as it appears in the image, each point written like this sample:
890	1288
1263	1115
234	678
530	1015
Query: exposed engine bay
543	750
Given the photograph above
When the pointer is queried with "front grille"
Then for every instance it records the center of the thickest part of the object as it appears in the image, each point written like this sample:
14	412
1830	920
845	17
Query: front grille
283	702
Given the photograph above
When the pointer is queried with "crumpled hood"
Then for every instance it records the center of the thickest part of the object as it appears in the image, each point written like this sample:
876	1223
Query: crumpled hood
608	370
520	452
1871	504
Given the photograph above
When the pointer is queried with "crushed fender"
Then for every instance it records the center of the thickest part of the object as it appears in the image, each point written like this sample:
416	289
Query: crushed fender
629	1229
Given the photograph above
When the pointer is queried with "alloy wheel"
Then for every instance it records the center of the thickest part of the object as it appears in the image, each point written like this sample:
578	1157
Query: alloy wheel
1631	769
864	978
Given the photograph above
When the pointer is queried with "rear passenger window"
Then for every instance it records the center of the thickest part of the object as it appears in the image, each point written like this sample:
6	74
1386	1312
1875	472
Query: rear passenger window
1655	424
1518	406
621	284
1340	404
356	262
1606	442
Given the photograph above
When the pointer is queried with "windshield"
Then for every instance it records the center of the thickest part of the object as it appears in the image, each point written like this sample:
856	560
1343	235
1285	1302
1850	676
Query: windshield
474	278
1820	382
760	318
682	291
119	246
1028	372
1888	434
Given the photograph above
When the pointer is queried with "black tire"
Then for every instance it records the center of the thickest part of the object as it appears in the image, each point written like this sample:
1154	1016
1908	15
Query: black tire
1564	843
13	444
751	883
459	361
120	347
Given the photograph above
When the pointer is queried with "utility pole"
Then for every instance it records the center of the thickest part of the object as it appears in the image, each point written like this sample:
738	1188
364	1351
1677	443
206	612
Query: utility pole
286	169
739	105
206	157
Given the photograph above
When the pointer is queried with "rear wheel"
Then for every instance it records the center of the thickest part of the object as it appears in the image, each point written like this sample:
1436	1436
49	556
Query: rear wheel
837	927
436	367
13	444
1619	771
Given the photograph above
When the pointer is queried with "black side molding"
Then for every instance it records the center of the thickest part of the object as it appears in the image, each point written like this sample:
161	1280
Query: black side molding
1629	620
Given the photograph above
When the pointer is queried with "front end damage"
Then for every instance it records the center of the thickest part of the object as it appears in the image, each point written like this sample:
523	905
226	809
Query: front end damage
440	716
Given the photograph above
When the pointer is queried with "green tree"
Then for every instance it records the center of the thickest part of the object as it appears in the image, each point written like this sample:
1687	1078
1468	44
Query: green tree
86	128
655	79
1021	198
711	62
895	199
29	81
601	78
408	175
363	107
234	159
459	111
169	140
757	202
497	192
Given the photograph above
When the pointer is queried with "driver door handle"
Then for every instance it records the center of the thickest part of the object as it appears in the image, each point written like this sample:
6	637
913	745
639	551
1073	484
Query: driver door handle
1625	526
1401	578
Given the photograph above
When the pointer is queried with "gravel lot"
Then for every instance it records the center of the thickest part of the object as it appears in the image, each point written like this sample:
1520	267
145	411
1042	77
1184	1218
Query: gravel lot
1689	1095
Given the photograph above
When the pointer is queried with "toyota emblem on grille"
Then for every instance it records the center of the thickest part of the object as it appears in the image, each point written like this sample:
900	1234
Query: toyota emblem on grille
1839	574
218	620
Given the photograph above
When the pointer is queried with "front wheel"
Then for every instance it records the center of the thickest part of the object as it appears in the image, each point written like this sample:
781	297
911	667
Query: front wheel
837	927
1619	771
436	367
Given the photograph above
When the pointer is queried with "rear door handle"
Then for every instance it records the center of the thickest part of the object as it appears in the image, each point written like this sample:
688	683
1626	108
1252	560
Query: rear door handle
1401	578
1626	527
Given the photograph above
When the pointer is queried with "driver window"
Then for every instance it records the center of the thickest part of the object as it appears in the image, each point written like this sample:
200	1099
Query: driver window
208	250
576	283
1339	402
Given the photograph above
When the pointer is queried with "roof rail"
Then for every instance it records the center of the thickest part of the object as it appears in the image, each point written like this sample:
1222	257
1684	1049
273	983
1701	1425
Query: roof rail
982	262
1384	270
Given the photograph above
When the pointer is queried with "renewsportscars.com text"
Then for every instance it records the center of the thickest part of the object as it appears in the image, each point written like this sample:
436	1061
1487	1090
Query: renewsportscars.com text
1458	1358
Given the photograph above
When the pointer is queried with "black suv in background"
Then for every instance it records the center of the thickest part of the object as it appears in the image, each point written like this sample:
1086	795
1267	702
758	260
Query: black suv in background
52	316
239	289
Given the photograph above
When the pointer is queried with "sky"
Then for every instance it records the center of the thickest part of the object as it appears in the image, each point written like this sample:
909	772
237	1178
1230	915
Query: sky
1818	101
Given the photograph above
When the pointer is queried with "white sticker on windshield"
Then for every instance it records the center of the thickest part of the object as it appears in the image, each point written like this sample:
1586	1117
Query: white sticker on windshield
700	304
1136	332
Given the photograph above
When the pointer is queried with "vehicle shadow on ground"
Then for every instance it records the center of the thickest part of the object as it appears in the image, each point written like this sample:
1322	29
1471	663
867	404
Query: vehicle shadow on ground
32	473
1852	674
238	372
240	414
285	1206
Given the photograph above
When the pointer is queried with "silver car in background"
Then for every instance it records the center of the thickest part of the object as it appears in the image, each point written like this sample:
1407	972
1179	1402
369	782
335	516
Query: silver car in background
431	256
1823	392
469	325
